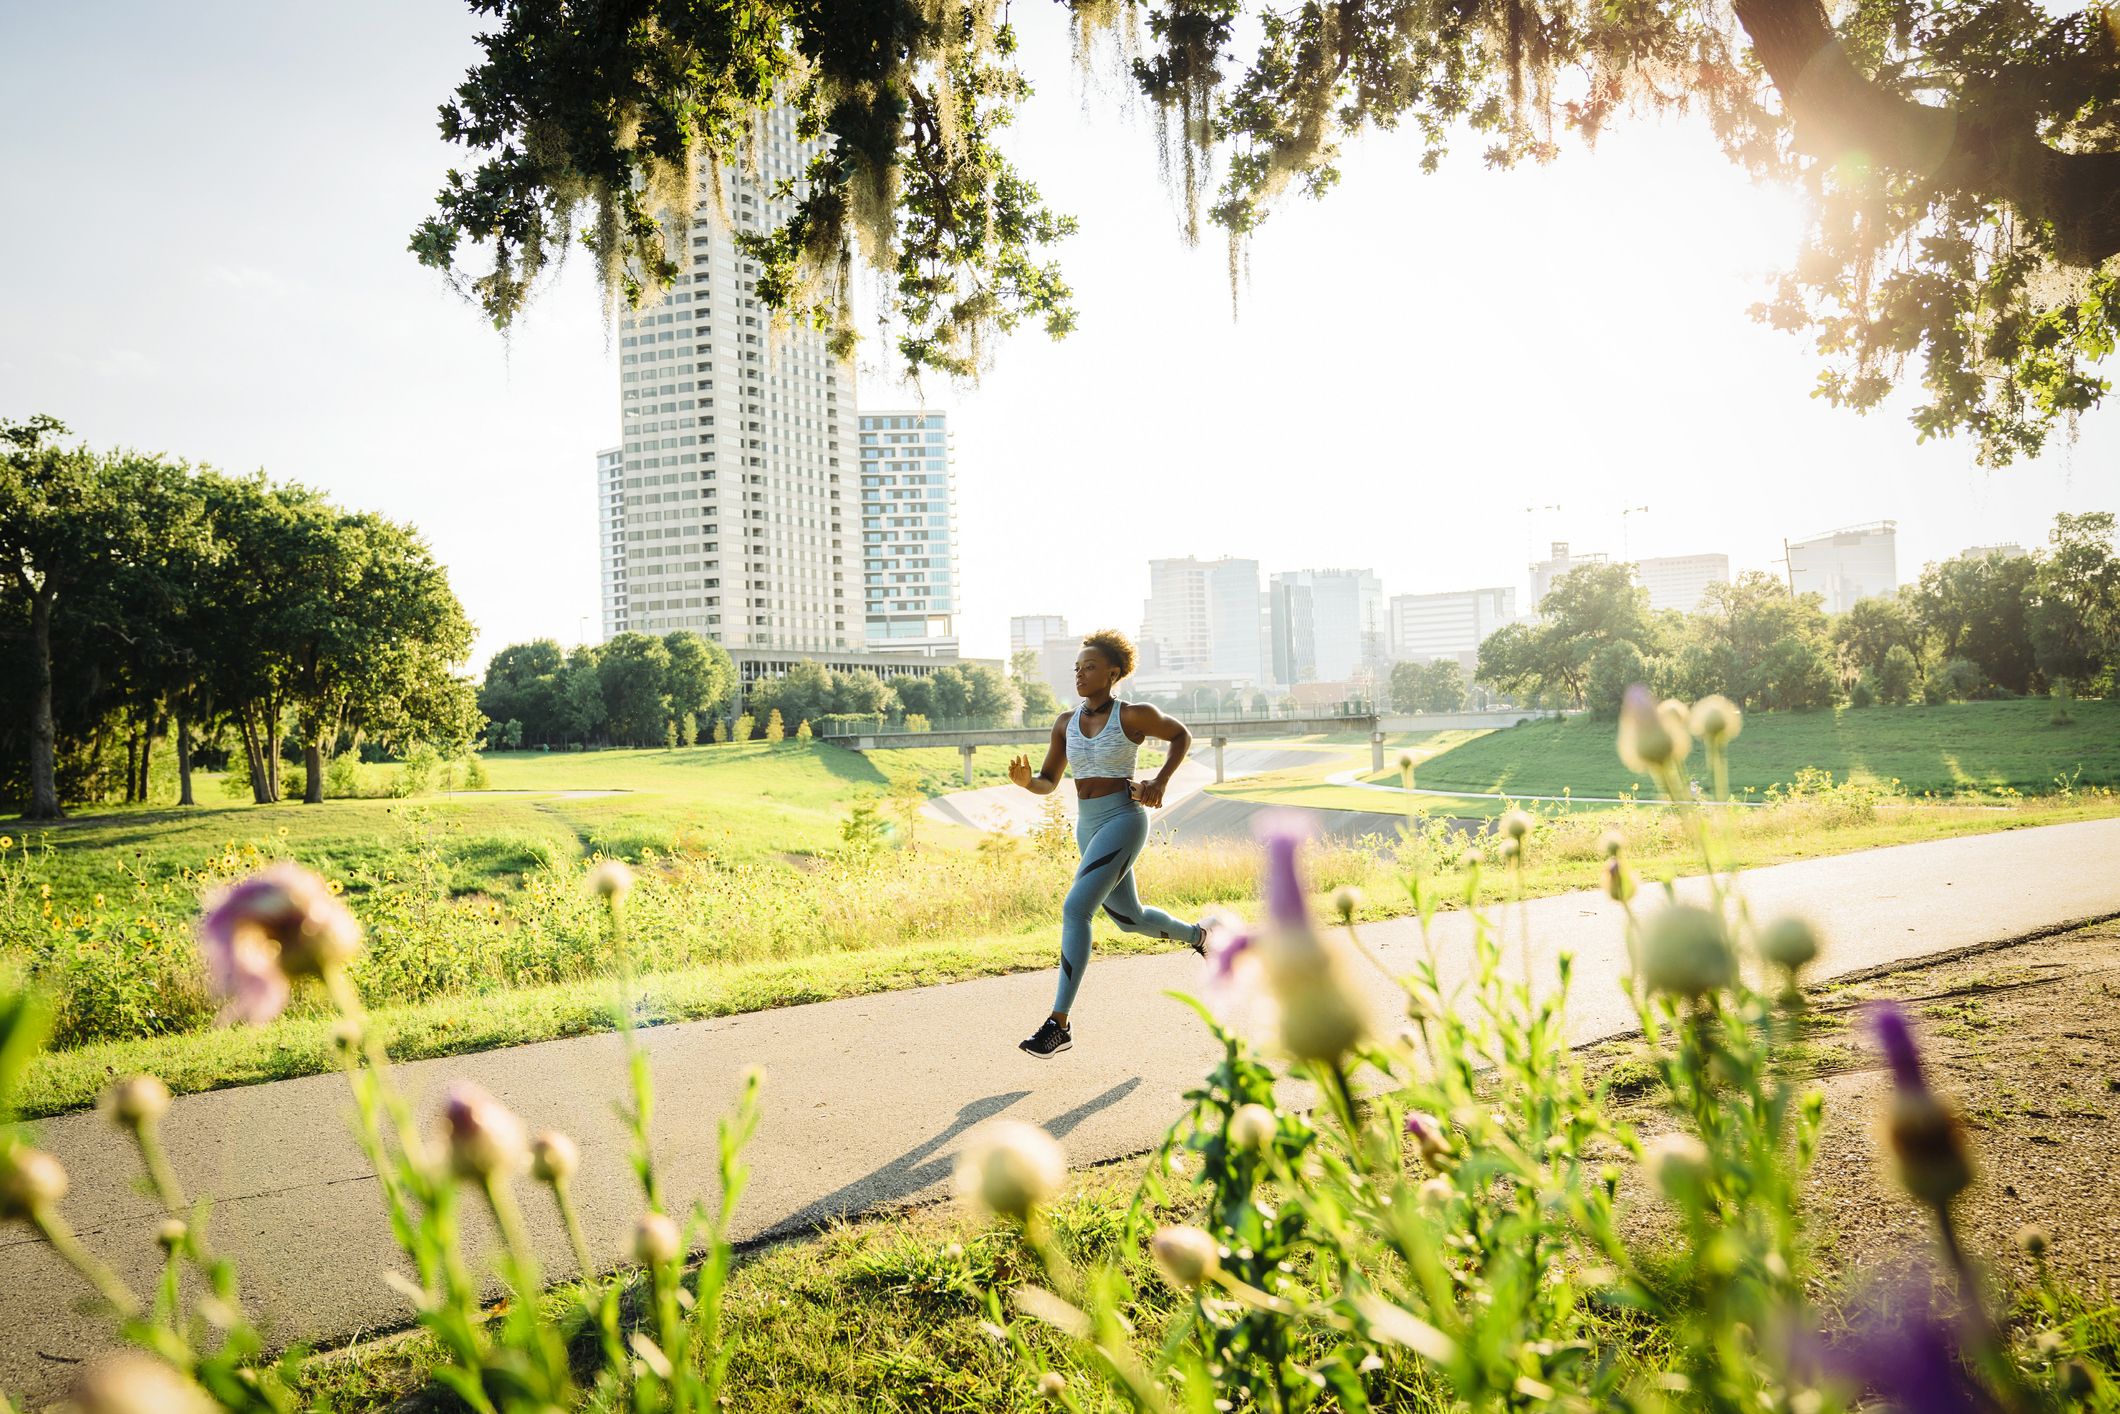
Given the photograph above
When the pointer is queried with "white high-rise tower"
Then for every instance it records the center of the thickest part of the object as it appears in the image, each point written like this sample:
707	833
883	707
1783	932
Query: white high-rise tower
728	512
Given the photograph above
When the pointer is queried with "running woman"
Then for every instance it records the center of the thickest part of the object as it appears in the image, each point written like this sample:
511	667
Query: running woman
1098	741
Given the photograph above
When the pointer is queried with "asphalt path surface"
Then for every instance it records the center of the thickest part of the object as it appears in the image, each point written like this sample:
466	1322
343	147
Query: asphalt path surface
868	1099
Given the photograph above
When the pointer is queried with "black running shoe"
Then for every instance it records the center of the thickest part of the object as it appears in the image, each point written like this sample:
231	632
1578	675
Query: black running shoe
1199	942
1051	1040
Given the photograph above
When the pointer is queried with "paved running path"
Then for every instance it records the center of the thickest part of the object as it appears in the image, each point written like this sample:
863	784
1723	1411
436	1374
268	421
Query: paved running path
866	1098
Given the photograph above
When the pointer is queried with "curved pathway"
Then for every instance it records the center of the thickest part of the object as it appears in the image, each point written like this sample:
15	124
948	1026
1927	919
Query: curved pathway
867	1098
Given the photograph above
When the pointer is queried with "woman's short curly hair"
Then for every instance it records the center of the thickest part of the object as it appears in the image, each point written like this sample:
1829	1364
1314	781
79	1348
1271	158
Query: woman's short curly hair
1117	648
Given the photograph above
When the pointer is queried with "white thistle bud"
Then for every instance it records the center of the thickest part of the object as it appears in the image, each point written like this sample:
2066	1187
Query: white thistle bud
1011	1168
1686	952
554	1157
1677	1164
1185	1255
1252	1128
656	1239
30	1182
1716	720
138	1101
611	880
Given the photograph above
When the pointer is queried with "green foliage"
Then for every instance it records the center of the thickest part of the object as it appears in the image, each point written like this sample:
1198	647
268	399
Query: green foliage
742	731
721	730
1952	680
1586	610
1616	667
2073	613
475	777
1039	703
342	776
633	671
776	731
1896	675
688	730
1988	258
802	731
1973	608
1434	686
914	722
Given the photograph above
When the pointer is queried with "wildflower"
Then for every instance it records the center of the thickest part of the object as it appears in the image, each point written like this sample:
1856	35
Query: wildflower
1346	901
656	1240
99	903
1517	823
1619	881
1716	720
1283	833
1509	852
1252	1128
1677	1164
30	1182
1185	1255
137	1102
170	1236
1686	952
336	888
45	890
1435	1192
1788	942
554	1157
1924	1133
485	1139
1427	1131
1405	762
1907	1358
129	1382
2033	1240
279	923
612	880
7	841
1052	1384
1645	742
1011	1168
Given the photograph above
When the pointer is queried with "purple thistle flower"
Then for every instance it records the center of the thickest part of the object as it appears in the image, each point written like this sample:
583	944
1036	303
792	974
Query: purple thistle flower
1896	1036
1283	833
1911	1363
1225	946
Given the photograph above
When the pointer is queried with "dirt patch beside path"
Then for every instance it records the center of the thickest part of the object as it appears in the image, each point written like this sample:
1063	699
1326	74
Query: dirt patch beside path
2025	1041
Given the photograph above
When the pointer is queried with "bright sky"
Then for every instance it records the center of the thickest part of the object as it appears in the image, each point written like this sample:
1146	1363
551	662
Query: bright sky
205	255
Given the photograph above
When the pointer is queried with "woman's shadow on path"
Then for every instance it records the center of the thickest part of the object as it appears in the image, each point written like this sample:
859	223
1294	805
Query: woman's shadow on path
932	1160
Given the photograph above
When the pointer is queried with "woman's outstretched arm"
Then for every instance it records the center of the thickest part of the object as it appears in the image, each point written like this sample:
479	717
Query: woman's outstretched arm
1048	778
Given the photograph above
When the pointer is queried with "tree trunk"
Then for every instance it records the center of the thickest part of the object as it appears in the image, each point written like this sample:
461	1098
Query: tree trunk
132	760
43	733
313	771
260	786
272	748
184	760
155	723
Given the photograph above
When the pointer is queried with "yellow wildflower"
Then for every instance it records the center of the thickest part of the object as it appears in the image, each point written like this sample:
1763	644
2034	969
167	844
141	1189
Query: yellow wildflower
336	887
44	891
99	902
7	841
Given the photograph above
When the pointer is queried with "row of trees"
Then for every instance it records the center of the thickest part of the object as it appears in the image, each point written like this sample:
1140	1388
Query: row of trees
141	598
1985	625
640	690
1435	686
635	690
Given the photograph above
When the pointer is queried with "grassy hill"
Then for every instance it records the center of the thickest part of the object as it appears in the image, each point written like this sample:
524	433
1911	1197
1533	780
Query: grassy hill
1949	750
736	804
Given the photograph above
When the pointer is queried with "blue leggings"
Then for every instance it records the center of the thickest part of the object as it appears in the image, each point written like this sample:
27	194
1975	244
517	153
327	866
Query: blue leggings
1111	831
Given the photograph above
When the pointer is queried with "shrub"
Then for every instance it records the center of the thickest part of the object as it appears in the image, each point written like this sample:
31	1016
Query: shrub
802	730
1896	676
776	732
670	735
742	730
415	773
1864	692
235	778
1953	680
342	776
915	722
721	730
688	729
475	777
848	723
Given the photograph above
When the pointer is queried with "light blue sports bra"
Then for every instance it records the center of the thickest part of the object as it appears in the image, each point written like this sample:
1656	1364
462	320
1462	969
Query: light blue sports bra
1108	754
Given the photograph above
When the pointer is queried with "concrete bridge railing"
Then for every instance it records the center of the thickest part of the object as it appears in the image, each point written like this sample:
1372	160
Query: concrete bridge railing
1216	731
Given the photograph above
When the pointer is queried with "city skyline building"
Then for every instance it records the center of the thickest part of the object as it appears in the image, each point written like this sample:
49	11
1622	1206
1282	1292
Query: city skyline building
908	533
1447	625
1680	581
727	509
1203	616
1326	625
1033	631
1844	566
1557	563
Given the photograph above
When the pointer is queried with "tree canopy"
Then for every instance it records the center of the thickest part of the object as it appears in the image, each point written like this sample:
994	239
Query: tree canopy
1963	156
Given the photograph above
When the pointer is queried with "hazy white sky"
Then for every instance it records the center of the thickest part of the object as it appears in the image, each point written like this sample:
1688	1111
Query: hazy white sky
204	253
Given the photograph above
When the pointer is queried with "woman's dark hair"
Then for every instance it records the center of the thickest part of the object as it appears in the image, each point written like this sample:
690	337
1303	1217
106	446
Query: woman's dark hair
1117	648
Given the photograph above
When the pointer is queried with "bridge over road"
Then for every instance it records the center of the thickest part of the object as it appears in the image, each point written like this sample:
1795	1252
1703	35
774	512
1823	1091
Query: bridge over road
1215	731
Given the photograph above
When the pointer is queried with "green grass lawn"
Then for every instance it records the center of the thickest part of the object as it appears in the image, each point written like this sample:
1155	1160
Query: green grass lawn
1981	749
1955	749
